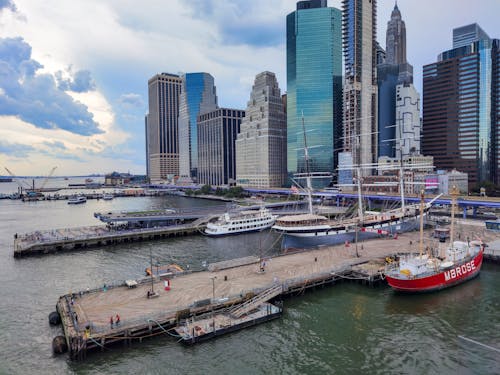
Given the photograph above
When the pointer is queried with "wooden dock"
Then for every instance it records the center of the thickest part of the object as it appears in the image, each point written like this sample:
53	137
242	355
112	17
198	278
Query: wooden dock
86	315
70	239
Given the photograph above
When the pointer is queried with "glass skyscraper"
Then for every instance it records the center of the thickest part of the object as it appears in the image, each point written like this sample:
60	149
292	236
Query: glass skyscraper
461	106
198	96
314	87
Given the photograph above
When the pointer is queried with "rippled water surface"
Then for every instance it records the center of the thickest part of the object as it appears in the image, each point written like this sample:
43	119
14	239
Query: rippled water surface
345	329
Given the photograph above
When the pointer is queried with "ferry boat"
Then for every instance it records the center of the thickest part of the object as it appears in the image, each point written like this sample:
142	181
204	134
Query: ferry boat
240	222
77	199
424	273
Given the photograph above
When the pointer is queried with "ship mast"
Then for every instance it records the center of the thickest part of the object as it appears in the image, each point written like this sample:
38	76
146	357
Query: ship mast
401	184
308	174
421	242
454	194
360	198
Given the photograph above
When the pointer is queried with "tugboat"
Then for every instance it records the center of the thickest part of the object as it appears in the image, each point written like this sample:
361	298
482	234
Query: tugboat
423	273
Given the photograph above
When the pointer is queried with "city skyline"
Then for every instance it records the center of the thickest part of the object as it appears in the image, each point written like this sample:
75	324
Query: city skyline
75	96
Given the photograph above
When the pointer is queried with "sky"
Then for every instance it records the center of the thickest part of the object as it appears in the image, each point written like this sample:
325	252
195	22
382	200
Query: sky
73	74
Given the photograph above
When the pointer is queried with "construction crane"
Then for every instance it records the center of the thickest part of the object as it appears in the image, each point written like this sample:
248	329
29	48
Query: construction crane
22	184
47	178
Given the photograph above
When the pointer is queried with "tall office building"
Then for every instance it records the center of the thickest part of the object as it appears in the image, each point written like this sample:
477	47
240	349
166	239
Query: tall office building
360	86
387	80
397	120
461	106
395	47
148	145
217	132
314	87
465	35
261	143
162	145
198	96
408	122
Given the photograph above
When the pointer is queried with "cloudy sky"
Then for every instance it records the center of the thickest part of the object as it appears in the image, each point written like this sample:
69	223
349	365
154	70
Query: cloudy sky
73	74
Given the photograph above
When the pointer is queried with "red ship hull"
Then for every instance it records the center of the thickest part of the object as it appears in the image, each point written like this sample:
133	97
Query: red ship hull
457	274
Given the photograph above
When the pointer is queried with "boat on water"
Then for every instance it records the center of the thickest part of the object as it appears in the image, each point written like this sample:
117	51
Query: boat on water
425	273
310	230
240	222
107	196
78	199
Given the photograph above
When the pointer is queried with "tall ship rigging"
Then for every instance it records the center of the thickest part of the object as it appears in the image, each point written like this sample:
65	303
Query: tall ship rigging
310	230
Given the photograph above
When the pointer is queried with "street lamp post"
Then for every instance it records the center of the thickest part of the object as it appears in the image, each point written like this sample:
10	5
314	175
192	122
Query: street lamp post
213	301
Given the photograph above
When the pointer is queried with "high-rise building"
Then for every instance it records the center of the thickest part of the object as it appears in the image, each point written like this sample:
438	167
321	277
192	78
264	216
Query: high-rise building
314	87
360	88
162	143
465	35
217	132
387	80
395	47
148	145
461	106
408	122
198	96
398	116
261	143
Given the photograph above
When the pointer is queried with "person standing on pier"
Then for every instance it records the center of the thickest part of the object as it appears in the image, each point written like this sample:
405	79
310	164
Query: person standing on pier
117	320
111	322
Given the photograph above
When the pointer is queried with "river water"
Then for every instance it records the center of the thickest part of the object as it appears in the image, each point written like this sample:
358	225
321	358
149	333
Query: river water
344	329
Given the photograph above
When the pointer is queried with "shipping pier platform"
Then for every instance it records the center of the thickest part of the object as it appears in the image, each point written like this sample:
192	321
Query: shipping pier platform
224	289
70	239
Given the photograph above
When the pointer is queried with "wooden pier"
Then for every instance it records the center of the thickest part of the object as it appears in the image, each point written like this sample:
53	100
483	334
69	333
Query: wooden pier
58	240
86	315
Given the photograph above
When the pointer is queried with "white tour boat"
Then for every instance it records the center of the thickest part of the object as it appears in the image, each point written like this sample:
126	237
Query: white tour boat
239	222
78	199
